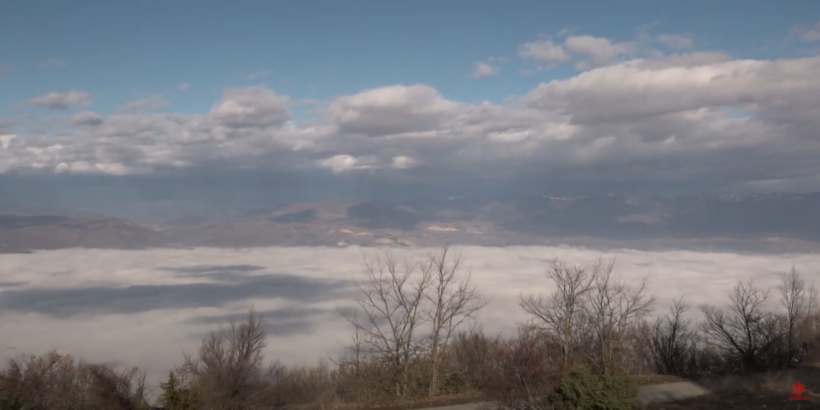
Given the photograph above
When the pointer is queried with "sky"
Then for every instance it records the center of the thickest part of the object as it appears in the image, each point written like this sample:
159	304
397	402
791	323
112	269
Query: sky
323	100
145	308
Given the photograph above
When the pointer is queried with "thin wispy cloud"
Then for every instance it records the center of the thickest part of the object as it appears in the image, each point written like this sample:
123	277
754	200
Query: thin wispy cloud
258	75
810	33
62	101
142	105
52	62
677	42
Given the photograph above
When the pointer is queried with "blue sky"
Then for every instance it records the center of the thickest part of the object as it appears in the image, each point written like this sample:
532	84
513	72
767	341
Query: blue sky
573	95
123	51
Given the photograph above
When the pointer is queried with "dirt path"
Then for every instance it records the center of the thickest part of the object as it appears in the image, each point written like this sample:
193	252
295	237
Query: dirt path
745	388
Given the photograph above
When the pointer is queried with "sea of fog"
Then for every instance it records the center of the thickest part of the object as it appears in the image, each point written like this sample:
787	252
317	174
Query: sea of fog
146	307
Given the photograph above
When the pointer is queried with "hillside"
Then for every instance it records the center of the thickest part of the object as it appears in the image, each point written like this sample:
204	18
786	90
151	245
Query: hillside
755	223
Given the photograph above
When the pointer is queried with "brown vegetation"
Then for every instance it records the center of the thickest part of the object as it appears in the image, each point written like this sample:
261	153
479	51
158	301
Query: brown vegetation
415	341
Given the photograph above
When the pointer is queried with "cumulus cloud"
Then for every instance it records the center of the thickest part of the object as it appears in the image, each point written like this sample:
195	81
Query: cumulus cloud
184	87
90	118
634	90
693	118
108	306
545	52
391	110
62	101
251	107
53	62
484	70
804	33
599	50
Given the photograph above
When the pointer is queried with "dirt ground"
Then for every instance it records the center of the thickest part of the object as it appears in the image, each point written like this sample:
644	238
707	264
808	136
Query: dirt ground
774	394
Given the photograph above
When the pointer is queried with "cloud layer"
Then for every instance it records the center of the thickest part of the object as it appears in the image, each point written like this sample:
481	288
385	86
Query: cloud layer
633	113
146	307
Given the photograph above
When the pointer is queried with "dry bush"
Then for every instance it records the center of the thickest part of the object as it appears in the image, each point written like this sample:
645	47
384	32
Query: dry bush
470	354
313	387
56	382
520	368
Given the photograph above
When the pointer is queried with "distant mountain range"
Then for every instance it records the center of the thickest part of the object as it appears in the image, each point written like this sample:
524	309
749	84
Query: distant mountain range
776	222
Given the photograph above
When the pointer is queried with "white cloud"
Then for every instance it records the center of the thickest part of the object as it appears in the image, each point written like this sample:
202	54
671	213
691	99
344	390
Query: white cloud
251	107
807	33
111	306
676	42
6	139
87	118
391	110
601	51
53	62
635	89
403	162
693	118
343	163
184	87
484	70
545	52
62	101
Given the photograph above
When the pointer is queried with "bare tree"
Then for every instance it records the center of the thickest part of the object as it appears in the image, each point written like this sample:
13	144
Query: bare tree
453	300
560	315
673	341
798	299
390	305
743	330
612	308
229	371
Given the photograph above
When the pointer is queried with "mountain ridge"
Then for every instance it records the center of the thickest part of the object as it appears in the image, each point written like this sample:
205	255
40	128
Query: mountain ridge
601	220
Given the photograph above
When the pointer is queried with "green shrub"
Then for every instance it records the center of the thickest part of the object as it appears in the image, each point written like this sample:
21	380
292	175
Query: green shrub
580	389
